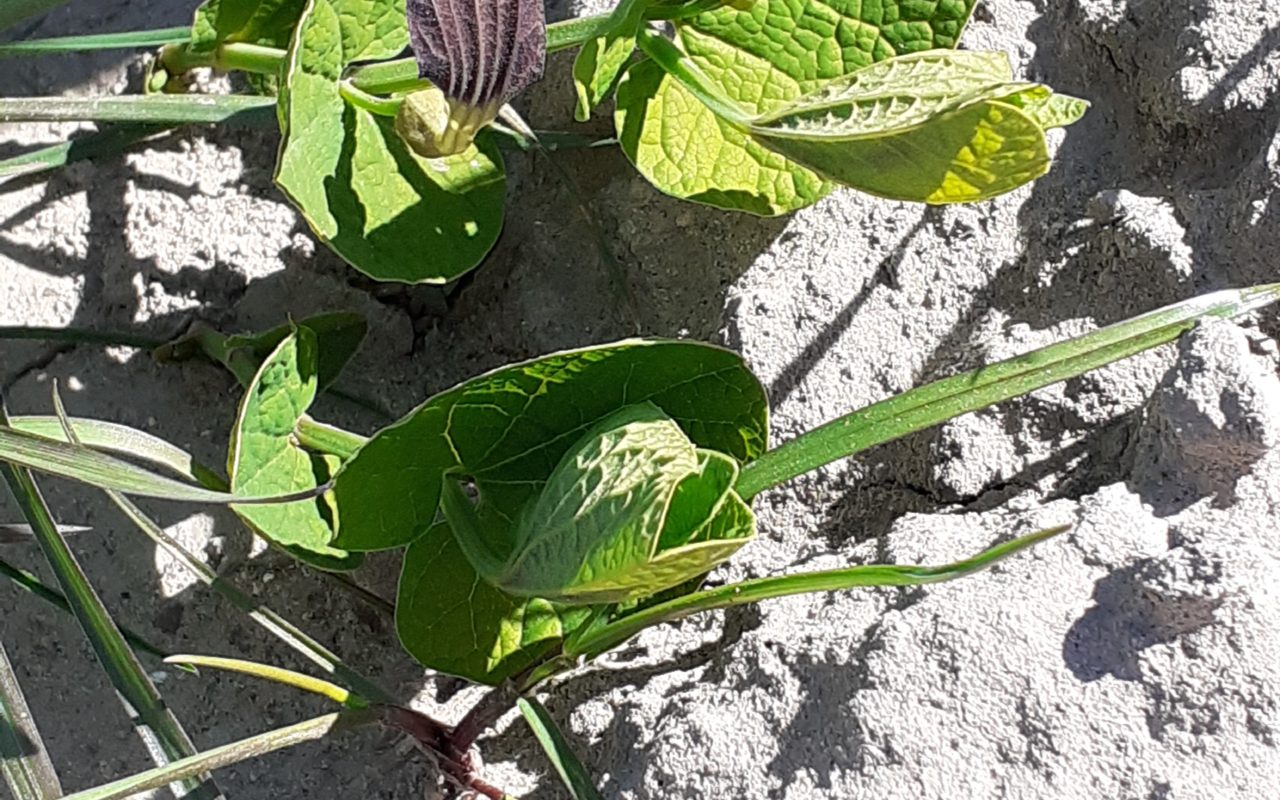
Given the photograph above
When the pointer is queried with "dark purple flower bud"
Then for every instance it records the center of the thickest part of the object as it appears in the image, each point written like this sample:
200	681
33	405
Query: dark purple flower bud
478	54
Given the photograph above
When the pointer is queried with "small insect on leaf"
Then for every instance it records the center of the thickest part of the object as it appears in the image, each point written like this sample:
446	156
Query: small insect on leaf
477	56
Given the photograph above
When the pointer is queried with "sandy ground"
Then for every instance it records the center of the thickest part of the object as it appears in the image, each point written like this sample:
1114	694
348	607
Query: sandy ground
1134	658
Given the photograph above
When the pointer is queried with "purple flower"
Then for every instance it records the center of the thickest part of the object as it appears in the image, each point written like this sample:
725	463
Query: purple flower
478	54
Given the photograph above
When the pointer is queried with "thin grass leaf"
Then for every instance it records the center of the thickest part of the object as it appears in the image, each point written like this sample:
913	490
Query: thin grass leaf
151	109
20	533
155	724
125	40
104	143
600	639
14	11
26	581
229	754
572	773
267	672
95	468
275	624
121	439
942	400
24	761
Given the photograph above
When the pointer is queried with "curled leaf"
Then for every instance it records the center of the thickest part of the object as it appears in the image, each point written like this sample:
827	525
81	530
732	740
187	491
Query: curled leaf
632	509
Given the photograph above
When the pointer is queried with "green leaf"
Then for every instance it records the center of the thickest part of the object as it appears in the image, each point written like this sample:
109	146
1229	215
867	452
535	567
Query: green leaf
507	431
1049	110
453	621
629	511
155	724
600	62
568	767
96	41
338	336
763	57
24	761
95	468
264	22
263	458
945	399
390	213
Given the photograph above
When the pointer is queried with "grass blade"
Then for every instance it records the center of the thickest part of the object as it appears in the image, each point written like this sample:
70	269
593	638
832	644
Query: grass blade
106	142
30	583
572	773
151	109
123	440
267	672
277	625
80	463
229	754
942	400
14	11
606	637
157	726
125	40
23	759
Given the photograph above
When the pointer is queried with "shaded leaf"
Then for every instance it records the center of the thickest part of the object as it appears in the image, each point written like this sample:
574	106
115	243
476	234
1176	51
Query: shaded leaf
568	766
390	213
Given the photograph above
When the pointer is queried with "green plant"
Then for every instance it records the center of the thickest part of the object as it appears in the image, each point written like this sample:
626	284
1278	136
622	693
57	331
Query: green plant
763	106
549	510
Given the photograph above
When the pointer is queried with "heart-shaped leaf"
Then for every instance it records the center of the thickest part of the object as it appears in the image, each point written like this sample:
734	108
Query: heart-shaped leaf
507	431
263	457
390	213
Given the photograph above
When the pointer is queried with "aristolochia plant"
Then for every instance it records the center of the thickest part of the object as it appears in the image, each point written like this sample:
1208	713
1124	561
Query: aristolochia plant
548	510
763	106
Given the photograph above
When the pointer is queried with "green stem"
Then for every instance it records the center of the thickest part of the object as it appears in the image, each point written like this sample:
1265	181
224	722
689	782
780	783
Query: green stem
609	636
679	66
228	57
230	754
378	106
321	438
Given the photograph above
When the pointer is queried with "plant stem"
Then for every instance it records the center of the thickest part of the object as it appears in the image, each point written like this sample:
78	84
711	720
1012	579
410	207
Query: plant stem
483	715
233	753
228	57
378	106
328	439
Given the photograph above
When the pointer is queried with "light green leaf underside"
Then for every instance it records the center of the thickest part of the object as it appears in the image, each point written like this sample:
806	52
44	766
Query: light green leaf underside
763	57
974	154
388	212
891	96
263	458
622	515
1049	110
